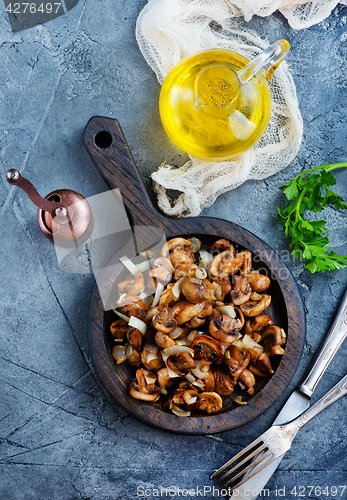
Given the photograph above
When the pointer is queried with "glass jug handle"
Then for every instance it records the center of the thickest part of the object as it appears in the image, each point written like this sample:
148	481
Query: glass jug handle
268	60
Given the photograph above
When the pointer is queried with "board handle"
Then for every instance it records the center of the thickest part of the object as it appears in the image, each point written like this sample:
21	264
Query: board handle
105	142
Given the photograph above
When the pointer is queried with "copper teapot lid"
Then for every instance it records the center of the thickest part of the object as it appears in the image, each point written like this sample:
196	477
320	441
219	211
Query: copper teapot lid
64	215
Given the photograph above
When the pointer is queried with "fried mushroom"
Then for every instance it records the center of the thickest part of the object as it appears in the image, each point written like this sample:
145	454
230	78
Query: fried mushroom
224	328
225	264
132	305
236	360
254	307
164	320
210	402
241	291
144	387
224	383
273	338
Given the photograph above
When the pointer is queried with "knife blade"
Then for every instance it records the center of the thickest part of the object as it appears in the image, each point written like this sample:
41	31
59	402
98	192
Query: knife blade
300	399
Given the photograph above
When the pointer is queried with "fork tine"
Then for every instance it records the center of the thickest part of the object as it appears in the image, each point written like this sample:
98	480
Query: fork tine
251	466
245	460
239	455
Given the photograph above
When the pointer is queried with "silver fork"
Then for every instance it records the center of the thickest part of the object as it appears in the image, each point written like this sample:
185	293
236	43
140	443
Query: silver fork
274	442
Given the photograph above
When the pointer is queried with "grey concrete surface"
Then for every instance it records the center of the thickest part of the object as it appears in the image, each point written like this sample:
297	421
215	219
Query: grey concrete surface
61	437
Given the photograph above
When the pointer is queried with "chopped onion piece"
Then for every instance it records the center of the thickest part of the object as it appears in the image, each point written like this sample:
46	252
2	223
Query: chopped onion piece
178	412
250	343
151	348
199	383
241	385
121	315
227	310
139	324
196	243
201	370
190	378
240	401
205	259
150	379
149	302
163	391
176	333
256	296
151	357
158	291
194	333
188	399
183	341
251	390
201	273
171	373
176	289
178	349
129	265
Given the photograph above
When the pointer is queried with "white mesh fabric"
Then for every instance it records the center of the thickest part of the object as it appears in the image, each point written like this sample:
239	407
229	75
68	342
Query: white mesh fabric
168	30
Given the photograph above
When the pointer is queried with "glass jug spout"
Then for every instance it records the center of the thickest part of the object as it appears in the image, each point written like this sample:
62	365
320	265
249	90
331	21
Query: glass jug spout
268	60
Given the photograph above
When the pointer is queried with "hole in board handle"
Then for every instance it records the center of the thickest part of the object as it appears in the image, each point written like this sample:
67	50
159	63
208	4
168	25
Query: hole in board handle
103	139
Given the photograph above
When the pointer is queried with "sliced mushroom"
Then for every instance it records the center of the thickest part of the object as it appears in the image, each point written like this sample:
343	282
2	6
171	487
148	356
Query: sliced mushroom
180	363
166	298
133	356
188	400
254	307
224	383
224	328
163	269
241	290
221	245
163	340
181	256
210	402
207	349
135	337
149	336
164	380
236	360
199	320
221	288
144	387
209	382
184	311
164	320
194	290
239	317
262	366
119	329
132	305
273	338
225	264
257	324
175	242
151	357
186	271
247	262
247	378
258	282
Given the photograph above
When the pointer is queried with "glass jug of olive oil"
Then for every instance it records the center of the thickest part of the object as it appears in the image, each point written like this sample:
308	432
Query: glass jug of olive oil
216	104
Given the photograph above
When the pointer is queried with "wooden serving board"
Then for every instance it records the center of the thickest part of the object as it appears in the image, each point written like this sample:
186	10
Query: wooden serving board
105	143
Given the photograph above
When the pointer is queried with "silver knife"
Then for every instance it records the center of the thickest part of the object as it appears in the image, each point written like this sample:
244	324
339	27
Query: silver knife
300	399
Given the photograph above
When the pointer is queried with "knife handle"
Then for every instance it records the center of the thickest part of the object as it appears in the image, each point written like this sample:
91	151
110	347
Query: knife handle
334	338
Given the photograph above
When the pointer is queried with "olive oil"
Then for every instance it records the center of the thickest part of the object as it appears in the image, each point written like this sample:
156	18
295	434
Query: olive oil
220	121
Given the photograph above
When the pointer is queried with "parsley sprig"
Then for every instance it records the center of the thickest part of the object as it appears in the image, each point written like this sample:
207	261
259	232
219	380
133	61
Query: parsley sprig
311	191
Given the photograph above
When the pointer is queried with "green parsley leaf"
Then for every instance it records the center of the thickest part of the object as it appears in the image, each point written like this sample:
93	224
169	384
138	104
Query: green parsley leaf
310	190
